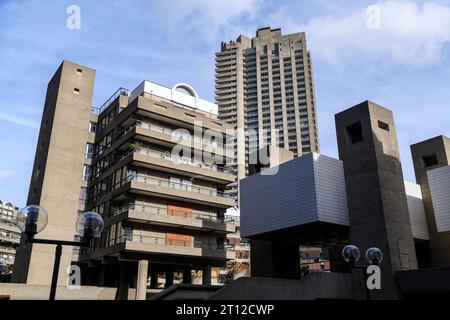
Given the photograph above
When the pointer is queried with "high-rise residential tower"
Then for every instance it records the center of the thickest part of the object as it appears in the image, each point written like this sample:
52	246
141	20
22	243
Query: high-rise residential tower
266	84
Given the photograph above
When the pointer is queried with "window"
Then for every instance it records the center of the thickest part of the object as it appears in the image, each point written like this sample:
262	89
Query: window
187	185
383	125
127	233
86	172
83	195
79	71
76	91
354	133
89	150
93	127
175	183
429	160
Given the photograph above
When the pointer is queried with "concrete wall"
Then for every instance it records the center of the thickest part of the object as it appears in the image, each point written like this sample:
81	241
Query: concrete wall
57	173
378	209
41	292
440	148
317	285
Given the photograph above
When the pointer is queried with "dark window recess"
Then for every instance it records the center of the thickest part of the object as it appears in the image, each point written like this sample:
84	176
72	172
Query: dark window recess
79	71
354	133
430	160
76	91
383	125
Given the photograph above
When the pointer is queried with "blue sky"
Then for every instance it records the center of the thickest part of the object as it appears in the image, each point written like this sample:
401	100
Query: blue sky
403	65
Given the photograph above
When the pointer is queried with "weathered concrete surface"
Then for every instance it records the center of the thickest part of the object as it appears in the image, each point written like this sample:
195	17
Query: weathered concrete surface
378	209
425	284
314	286
186	291
439	255
40	292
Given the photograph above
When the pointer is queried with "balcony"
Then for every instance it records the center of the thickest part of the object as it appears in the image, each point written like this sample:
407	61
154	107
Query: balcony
179	161
119	92
169	137
7	250
164	188
162	246
162	215
10	238
171	163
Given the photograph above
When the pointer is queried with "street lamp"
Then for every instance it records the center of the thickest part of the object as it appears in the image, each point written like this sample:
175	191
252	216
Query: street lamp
351	255
374	256
33	219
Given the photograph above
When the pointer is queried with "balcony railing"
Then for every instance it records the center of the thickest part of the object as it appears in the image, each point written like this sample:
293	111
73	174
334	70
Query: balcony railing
164	211
7	237
119	92
173	185
175	134
169	157
164	242
7	220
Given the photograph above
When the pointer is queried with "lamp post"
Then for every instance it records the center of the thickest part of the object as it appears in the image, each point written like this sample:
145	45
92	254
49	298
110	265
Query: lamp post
33	219
351	255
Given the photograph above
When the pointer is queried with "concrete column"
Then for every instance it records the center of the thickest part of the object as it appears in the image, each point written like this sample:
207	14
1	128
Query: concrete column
187	276
275	259
206	275
153	279
122	290
101	276
169	278
142	277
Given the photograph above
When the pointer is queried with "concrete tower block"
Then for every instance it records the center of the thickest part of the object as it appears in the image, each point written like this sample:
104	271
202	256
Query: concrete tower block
377	204
58	166
429	155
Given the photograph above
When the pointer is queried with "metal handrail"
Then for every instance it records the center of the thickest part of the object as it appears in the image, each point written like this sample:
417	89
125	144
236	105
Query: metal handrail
174	185
171	242
120	91
169	212
168	156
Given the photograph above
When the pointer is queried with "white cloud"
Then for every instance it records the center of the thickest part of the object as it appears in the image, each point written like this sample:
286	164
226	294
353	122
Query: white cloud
410	35
6	174
19	120
206	17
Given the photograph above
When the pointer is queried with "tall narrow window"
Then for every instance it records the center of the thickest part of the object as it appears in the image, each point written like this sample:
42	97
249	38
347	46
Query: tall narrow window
93	127
86	172
89	150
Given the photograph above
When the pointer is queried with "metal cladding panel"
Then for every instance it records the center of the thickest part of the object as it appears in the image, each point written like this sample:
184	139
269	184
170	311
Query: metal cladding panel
285	199
291	197
416	211
439	181
330	190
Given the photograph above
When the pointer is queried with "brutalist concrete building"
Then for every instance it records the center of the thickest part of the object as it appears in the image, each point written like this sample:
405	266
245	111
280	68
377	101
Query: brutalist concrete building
361	199
163	211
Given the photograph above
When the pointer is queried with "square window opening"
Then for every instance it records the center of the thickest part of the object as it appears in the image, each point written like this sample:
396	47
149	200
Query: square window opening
354	133
429	160
383	125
